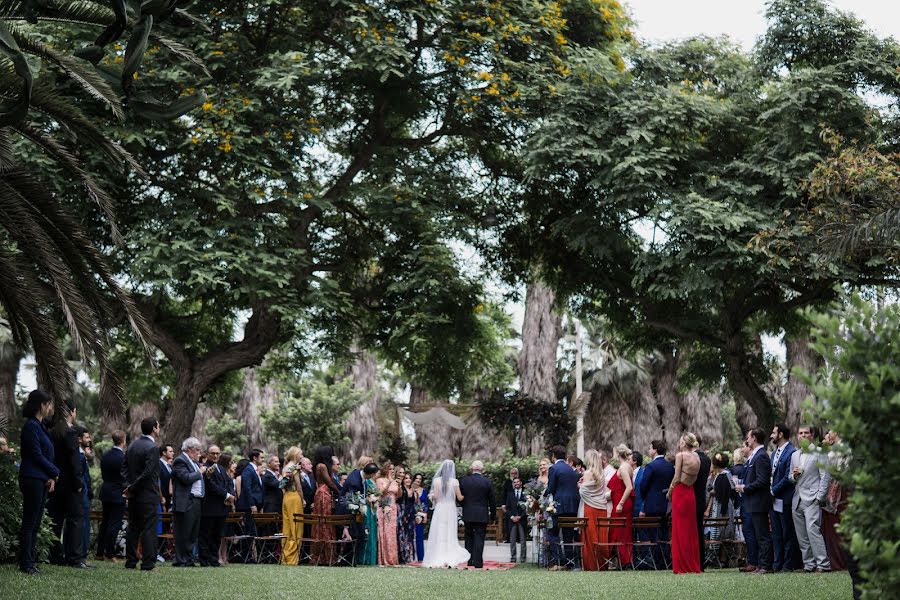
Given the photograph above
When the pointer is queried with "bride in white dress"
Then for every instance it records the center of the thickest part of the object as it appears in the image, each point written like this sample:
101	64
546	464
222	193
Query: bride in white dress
442	548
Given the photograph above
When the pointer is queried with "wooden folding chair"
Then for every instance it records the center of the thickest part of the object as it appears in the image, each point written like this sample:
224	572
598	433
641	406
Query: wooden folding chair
571	551
239	545
645	549
613	560
165	545
306	523
344	549
714	544
736	549
267	543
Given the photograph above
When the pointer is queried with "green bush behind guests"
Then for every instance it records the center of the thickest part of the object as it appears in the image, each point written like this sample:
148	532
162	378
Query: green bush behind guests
11	515
858	395
498	471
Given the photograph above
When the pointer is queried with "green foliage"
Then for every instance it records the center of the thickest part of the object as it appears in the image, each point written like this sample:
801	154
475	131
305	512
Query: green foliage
393	448
511	412
228	432
310	413
858	394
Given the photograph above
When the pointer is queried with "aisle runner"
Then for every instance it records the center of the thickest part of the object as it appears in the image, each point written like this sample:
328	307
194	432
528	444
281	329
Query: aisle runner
489	565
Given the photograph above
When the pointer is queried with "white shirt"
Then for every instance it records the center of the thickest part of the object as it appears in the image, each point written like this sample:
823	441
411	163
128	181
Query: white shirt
197	487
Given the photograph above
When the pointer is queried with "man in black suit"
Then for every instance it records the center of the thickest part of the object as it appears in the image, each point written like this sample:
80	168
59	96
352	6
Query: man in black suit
111	497
272	493
700	497
562	484
507	488
66	507
166	454
188	490
216	502
478	510
141	474
308	491
758	496
518	518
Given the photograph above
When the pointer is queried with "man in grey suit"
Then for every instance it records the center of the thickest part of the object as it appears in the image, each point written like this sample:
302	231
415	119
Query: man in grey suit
811	479
189	488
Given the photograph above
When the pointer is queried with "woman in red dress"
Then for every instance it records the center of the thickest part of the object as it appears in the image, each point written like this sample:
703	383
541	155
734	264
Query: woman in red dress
593	505
322	547
685	543
622	486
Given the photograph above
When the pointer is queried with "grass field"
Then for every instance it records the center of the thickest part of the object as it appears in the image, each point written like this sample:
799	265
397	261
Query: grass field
264	582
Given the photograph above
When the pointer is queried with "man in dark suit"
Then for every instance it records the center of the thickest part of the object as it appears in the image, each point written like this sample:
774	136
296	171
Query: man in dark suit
478	510
66	507
251	499
758	497
166	454
562	484
216	501
86	449
308	491
271	480
518	518
507	488
657	476
188	490
700	497
111	497
784	538
141	474
336	474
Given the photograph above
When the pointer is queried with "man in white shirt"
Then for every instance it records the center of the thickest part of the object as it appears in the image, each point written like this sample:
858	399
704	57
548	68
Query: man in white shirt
189	488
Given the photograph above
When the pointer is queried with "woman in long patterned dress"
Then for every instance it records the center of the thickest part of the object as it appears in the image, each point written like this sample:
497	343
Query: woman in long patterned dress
406	524
593	505
422	518
621	485
388	554
322	548
291	504
685	540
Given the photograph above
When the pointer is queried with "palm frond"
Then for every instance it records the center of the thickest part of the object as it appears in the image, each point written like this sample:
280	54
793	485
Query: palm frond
180	51
10	49
81	73
72	11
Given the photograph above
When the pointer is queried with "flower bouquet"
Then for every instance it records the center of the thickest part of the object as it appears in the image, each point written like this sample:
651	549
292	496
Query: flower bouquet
356	504
387	503
548	509
421	514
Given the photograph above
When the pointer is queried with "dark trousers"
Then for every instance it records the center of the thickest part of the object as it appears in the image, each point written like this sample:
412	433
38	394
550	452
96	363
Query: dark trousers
34	499
143	520
565	554
66	512
186	531
110	525
517	535
701	537
475	543
763	539
86	527
656	535
749	538
784	539
210	539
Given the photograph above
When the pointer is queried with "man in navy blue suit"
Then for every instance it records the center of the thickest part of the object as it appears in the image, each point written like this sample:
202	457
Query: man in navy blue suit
784	539
563	486
86	444
655	480
758	496
250	500
111	497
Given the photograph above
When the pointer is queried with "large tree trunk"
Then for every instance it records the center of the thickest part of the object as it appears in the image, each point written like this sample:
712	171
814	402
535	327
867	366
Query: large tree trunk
253	400
10	357
541	331
798	355
363	422
742	366
434	440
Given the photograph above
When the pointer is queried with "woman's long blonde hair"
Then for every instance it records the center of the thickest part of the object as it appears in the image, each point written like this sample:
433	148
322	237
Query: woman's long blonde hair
622	452
593	464
293	454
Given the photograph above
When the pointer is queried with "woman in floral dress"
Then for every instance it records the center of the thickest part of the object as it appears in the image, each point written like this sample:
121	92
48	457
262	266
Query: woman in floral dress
388	554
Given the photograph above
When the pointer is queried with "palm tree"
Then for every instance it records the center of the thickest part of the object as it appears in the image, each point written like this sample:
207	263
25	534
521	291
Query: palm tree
50	270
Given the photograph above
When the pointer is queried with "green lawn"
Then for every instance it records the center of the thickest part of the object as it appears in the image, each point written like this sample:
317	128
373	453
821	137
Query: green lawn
262	582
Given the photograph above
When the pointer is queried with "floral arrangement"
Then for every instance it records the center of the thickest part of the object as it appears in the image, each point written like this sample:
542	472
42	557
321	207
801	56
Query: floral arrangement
421	514
356	503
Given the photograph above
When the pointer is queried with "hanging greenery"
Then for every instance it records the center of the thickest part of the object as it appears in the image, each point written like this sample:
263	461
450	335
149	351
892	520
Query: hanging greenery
510	412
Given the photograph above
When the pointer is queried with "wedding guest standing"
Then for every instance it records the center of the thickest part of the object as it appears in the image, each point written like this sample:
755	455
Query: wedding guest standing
141	474
636	461
188	487
422	516
216	501
111	497
86	449
758	497
835	503
406	521
784	540
66	507
621	486
387	516
166	455
593	506
271	479
322	547
507	488
700	498
292	504
811	478
250	500
370	548
37	475
685	554
518	519
718	504
563	486
655	481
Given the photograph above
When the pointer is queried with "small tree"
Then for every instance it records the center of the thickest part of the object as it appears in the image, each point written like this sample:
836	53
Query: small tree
312	413
229	432
860	395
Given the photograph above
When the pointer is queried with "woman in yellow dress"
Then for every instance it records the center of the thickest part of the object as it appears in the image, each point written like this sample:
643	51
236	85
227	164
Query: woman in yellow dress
292	504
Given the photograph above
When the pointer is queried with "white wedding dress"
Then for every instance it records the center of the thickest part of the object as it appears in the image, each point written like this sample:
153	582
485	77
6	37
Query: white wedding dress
442	548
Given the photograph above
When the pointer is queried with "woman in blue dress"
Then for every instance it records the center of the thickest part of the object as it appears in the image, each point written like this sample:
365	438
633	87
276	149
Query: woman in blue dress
421	520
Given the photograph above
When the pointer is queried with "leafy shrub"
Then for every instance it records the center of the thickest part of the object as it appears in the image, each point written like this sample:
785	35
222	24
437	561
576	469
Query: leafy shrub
858	394
228	432
11	514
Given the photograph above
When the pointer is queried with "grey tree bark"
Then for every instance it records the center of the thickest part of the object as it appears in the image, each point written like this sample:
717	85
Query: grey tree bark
253	400
800	355
10	357
362	425
536	365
